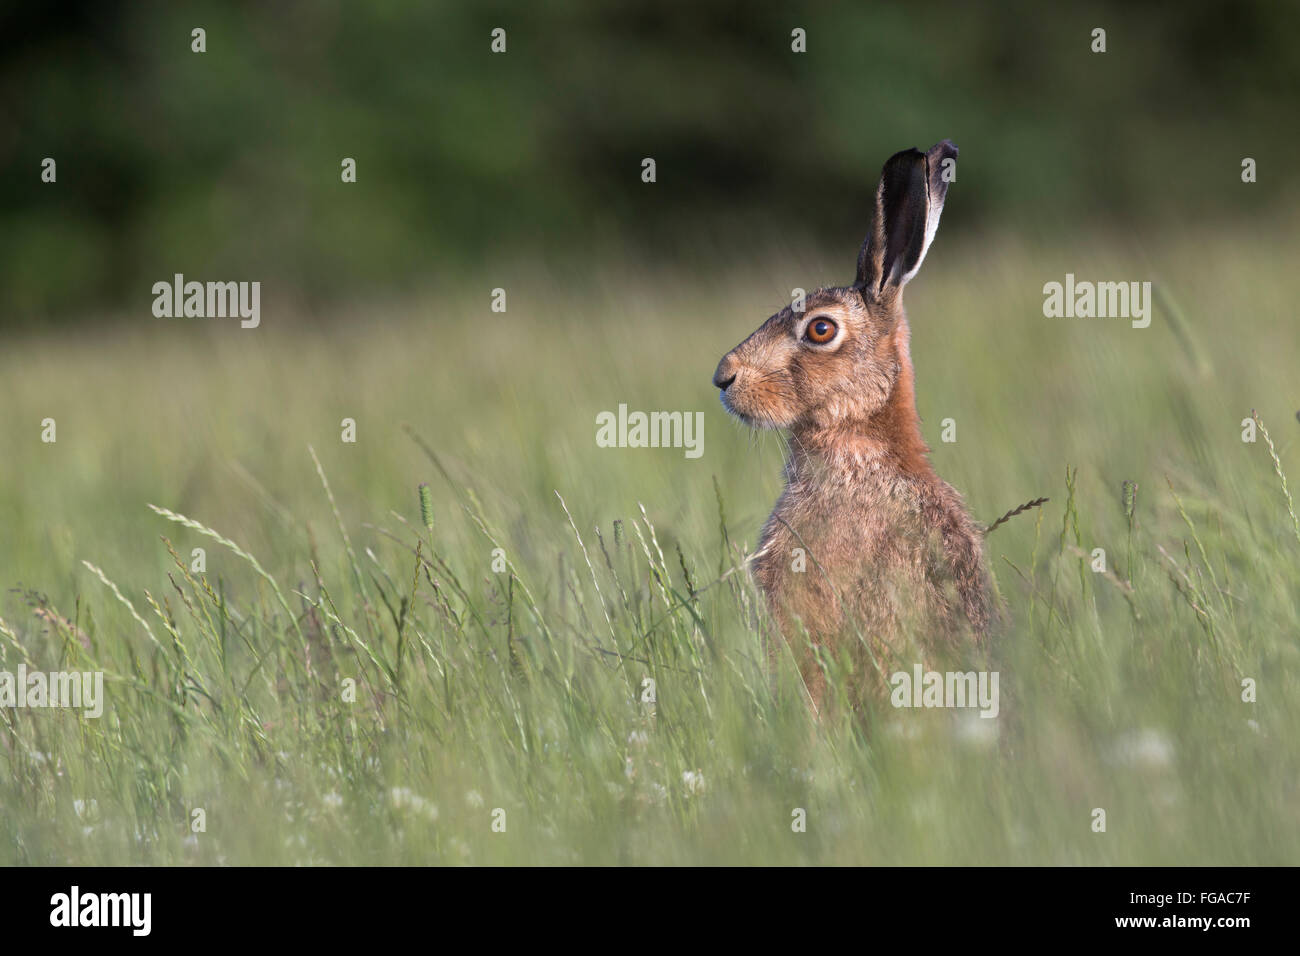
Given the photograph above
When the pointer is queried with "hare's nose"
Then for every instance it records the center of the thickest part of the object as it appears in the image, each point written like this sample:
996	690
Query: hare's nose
726	373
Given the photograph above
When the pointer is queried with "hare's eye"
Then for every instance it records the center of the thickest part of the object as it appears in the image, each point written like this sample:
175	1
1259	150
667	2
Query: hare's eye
820	331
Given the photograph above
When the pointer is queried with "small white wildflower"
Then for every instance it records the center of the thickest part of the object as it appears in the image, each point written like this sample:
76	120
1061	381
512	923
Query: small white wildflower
474	798
403	798
1148	748
694	780
975	730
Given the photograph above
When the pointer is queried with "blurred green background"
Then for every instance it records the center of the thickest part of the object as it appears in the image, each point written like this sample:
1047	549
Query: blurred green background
226	164
482	689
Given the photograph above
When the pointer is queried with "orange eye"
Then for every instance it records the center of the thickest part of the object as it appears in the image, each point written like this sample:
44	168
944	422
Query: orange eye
820	330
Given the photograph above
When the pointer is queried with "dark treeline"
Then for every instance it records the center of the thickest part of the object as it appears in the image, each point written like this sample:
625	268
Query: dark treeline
227	164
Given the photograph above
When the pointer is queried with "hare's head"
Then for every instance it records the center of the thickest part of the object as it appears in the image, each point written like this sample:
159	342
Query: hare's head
841	357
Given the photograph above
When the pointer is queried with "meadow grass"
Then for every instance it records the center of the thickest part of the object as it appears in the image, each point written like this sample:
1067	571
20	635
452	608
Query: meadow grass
500	625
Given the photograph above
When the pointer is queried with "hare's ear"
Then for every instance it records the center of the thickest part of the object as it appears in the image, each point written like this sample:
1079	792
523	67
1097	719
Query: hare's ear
909	202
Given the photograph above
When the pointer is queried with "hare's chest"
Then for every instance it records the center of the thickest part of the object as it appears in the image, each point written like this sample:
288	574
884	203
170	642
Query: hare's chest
826	547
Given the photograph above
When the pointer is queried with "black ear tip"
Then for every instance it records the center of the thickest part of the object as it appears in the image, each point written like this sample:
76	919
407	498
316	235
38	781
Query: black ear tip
908	156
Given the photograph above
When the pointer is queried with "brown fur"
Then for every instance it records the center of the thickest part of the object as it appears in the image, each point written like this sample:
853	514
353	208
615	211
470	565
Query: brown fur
893	558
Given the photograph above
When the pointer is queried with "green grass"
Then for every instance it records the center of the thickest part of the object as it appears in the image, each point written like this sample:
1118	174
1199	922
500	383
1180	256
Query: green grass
521	690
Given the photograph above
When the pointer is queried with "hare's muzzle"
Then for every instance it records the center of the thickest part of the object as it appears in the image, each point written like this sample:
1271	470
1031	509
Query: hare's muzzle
726	373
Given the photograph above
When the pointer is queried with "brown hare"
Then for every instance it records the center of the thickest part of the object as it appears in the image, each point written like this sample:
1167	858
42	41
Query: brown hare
867	548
